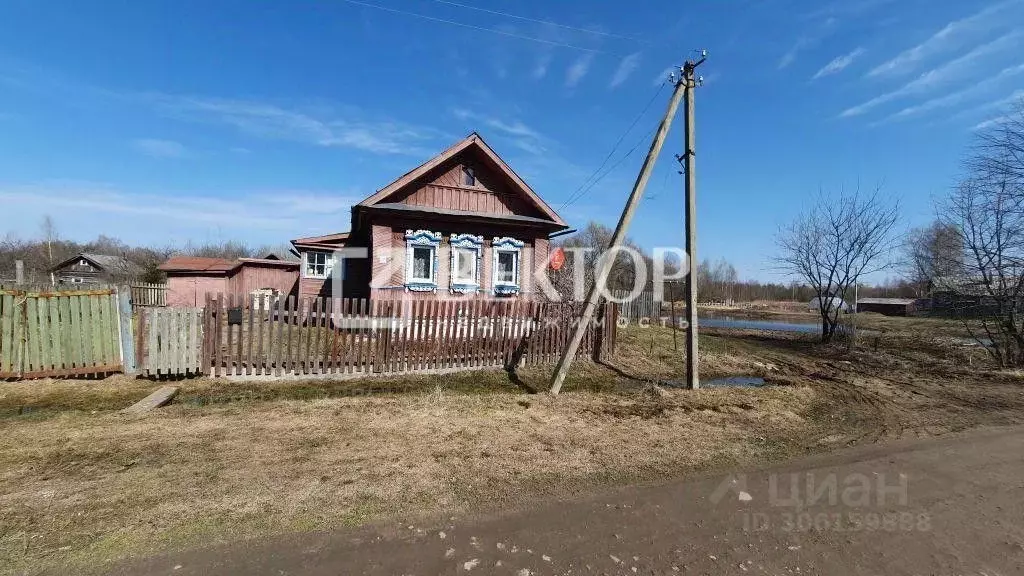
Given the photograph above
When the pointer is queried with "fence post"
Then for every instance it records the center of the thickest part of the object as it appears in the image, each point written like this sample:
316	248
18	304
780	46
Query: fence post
124	329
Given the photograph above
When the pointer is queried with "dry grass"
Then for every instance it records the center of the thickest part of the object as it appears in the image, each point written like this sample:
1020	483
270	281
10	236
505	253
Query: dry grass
81	484
80	488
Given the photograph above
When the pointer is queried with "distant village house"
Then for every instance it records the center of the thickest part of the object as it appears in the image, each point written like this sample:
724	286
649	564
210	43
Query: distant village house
87	268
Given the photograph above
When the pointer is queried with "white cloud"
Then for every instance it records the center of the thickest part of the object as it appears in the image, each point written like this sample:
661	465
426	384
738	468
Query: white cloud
990	123
958	97
625	69
578	69
662	76
160	148
522	136
541	69
949	37
317	127
950	71
839	64
790	56
166	215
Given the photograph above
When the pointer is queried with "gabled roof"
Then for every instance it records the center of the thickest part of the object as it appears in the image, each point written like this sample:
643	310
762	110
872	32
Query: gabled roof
196	264
472	141
105	262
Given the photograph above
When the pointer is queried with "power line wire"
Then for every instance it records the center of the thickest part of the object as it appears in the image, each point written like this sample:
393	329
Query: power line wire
611	168
472	27
539	21
573	196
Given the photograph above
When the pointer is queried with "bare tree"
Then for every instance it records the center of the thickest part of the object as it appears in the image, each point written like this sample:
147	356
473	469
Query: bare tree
931	252
833	244
49	232
988	209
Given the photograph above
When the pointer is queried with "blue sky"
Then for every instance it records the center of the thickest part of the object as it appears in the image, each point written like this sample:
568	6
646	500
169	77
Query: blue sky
164	122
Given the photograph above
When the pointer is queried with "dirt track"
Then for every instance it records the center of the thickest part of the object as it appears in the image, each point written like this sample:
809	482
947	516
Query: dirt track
959	512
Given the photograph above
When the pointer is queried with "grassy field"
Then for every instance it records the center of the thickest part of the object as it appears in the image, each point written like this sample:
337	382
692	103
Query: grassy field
82	485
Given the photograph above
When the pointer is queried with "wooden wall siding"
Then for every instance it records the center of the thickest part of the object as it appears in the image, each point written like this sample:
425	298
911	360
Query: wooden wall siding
349	336
251	277
52	334
490	195
168	341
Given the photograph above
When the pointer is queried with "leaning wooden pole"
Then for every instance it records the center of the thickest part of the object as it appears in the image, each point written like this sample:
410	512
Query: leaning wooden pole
604	263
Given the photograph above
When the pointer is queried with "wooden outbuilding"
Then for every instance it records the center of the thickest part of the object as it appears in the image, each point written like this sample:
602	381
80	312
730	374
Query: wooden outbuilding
190	278
888	306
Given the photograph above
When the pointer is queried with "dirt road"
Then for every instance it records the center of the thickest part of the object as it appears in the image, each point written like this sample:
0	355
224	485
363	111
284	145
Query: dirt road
953	505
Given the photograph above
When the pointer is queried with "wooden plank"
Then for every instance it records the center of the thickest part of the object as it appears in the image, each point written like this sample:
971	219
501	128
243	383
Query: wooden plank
444	333
57	335
7	343
248	335
288	362
101	351
153	346
412	354
31	335
315	356
346	336
181	340
240	362
276	331
327	327
256	333
364	337
158	398
43	324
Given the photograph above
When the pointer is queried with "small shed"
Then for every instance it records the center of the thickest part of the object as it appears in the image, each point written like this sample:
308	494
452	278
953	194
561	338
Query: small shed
833	302
190	278
888	306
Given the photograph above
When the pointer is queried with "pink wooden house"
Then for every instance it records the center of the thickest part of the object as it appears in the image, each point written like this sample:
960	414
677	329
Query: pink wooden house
461	223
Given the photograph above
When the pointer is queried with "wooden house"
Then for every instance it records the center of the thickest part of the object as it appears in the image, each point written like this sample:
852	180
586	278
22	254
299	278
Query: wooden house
888	306
88	268
461	223
190	279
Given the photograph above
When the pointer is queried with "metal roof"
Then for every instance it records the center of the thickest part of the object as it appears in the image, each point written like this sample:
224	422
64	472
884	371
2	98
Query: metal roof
892	301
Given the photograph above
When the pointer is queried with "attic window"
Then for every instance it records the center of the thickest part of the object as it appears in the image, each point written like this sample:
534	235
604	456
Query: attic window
468	176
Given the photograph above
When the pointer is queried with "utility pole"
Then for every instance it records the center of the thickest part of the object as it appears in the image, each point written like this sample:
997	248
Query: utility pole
604	263
691	81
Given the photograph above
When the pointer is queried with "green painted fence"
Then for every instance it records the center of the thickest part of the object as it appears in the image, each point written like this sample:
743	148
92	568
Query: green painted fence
70	333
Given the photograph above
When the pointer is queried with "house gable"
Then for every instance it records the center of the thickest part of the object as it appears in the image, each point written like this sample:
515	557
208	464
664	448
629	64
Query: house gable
489	188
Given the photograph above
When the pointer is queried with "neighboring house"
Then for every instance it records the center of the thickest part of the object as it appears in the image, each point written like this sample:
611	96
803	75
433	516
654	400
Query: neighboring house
88	268
888	306
190	278
461	223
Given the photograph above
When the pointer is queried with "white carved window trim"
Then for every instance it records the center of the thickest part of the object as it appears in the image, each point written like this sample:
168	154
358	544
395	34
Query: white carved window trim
421	239
507	245
467	242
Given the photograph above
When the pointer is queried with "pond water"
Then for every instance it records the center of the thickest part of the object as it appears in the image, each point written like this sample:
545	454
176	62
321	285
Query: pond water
810	326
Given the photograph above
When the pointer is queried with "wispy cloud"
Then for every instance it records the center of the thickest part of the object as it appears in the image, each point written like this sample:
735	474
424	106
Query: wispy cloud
316	127
951	36
662	76
953	70
790	56
271	210
839	63
541	69
625	69
577	70
519	134
978	89
160	148
990	123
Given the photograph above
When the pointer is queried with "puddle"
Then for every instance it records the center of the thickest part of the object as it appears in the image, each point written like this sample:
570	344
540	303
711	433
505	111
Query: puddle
735	381
728	381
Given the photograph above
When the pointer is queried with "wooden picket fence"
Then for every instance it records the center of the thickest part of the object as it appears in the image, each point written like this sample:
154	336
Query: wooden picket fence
642	305
168	341
66	333
144	294
251	336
